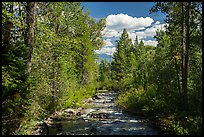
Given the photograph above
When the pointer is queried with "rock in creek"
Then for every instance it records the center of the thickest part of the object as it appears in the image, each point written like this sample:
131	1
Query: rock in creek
70	111
42	128
95	97
87	100
101	115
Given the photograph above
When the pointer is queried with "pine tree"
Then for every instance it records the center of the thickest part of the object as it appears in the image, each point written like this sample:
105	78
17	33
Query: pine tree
120	64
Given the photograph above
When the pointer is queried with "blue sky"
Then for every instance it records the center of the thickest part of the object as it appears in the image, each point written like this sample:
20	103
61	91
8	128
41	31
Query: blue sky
134	16
137	9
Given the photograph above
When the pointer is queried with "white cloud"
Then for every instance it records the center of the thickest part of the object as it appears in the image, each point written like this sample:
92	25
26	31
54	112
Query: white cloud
150	32
106	50
144	27
116	24
107	42
110	33
121	21
157	22
132	35
108	39
150	42
160	26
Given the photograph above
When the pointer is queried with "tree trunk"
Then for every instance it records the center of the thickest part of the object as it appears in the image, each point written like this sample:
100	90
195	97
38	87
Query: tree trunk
185	84
177	75
182	46
145	82
30	8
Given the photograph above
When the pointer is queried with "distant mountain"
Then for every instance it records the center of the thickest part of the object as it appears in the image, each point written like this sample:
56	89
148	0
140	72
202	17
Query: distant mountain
104	56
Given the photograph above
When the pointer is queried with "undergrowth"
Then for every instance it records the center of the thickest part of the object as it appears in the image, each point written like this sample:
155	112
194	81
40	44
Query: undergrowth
170	118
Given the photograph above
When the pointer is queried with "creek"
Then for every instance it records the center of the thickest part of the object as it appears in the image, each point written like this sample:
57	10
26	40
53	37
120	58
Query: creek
102	117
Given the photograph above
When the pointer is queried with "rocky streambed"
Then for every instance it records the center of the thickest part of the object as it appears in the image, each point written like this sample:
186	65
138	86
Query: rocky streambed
99	117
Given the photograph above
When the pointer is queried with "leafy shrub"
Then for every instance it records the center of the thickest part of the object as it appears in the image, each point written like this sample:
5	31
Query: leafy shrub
130	100
171	126
193	124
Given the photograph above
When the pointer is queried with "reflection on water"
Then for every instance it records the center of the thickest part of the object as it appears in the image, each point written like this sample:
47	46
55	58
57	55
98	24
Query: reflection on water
104	119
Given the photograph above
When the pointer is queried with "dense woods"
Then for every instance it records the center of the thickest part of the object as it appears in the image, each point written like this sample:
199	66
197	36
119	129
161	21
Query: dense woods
48	60
164	82
49	63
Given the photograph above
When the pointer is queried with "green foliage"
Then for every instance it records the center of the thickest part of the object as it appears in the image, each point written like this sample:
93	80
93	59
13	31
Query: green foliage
152	105
149	82
194	125
13	70
104	78
172	126
64	71
131	100
63	67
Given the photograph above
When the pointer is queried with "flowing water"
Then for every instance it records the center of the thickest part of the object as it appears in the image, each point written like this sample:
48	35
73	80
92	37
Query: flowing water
103	118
